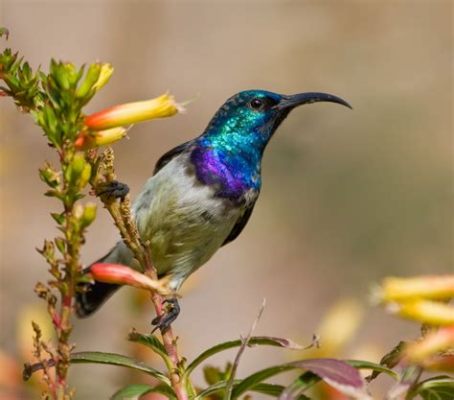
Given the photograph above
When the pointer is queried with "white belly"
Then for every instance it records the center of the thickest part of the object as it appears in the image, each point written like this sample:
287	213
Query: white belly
182	221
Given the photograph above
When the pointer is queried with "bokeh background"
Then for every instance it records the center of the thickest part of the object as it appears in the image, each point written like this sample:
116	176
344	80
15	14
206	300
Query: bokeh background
348	197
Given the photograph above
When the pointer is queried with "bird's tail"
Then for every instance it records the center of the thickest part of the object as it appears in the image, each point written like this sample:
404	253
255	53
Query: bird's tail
94	295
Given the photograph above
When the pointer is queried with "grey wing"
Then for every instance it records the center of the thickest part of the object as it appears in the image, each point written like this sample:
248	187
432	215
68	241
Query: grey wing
166	157
240	224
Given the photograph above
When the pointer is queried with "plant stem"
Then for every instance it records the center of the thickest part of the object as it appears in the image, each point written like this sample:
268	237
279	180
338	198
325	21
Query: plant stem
170	344
68	290
121	214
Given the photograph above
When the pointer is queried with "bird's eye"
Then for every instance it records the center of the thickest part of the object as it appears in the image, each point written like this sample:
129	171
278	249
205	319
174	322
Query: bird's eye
256	104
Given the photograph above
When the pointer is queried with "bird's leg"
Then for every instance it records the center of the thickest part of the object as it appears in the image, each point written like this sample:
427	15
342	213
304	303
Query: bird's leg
163	321
113	189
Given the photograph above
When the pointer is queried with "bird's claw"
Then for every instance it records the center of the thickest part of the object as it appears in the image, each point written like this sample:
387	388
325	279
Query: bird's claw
113	189
164	321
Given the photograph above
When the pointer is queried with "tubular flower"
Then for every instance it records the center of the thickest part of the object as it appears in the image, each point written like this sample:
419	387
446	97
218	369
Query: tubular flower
130	113
439	363
88	140
425	311
123	275
431	345
428	287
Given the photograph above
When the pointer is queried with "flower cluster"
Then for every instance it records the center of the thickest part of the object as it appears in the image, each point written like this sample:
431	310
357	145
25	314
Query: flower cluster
110	125
425	299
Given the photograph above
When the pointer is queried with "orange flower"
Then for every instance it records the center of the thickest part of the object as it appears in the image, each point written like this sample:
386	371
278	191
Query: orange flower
130	113
431	345
123	275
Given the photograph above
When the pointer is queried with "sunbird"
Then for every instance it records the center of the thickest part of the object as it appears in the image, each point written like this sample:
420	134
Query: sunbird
201	194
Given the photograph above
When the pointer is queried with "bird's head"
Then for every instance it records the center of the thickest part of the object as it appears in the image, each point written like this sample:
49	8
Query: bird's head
229	152
252	116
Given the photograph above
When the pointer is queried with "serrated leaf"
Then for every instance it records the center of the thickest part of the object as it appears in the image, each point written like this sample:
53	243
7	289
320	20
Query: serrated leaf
135	391
97	357
253	341
437	388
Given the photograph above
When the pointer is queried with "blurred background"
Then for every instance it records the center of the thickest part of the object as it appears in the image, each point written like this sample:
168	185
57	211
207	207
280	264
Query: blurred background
348	196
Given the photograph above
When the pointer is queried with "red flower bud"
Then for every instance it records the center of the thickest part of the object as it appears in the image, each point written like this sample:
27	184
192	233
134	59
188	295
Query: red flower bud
123	275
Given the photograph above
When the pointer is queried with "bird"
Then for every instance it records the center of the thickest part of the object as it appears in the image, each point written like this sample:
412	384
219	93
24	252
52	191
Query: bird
201	194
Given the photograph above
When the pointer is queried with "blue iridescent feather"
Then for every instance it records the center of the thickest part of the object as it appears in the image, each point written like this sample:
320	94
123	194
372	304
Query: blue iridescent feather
229	152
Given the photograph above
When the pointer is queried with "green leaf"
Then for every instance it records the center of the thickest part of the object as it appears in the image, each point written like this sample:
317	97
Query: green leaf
360	364
258	377
152	342
135	391
59	218
4	32
436	388
97	357
213	374
301	384
336	373
264	388
269	389
390	360
253	341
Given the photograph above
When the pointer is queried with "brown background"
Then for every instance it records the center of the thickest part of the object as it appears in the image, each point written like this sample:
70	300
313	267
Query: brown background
348	196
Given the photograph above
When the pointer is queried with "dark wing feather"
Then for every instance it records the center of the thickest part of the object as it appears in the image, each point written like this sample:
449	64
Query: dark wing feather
166	157
240	224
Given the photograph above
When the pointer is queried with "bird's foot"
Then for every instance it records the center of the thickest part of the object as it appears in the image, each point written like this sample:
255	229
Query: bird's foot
164	321
113	189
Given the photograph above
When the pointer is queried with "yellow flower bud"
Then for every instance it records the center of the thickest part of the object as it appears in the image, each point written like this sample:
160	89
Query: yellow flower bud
130	113
88	215
109	136
79	171
104	76
88	140
75	168
427	287
78	211
426	311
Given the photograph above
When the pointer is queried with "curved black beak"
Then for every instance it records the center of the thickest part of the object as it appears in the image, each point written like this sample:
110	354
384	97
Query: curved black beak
295	100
